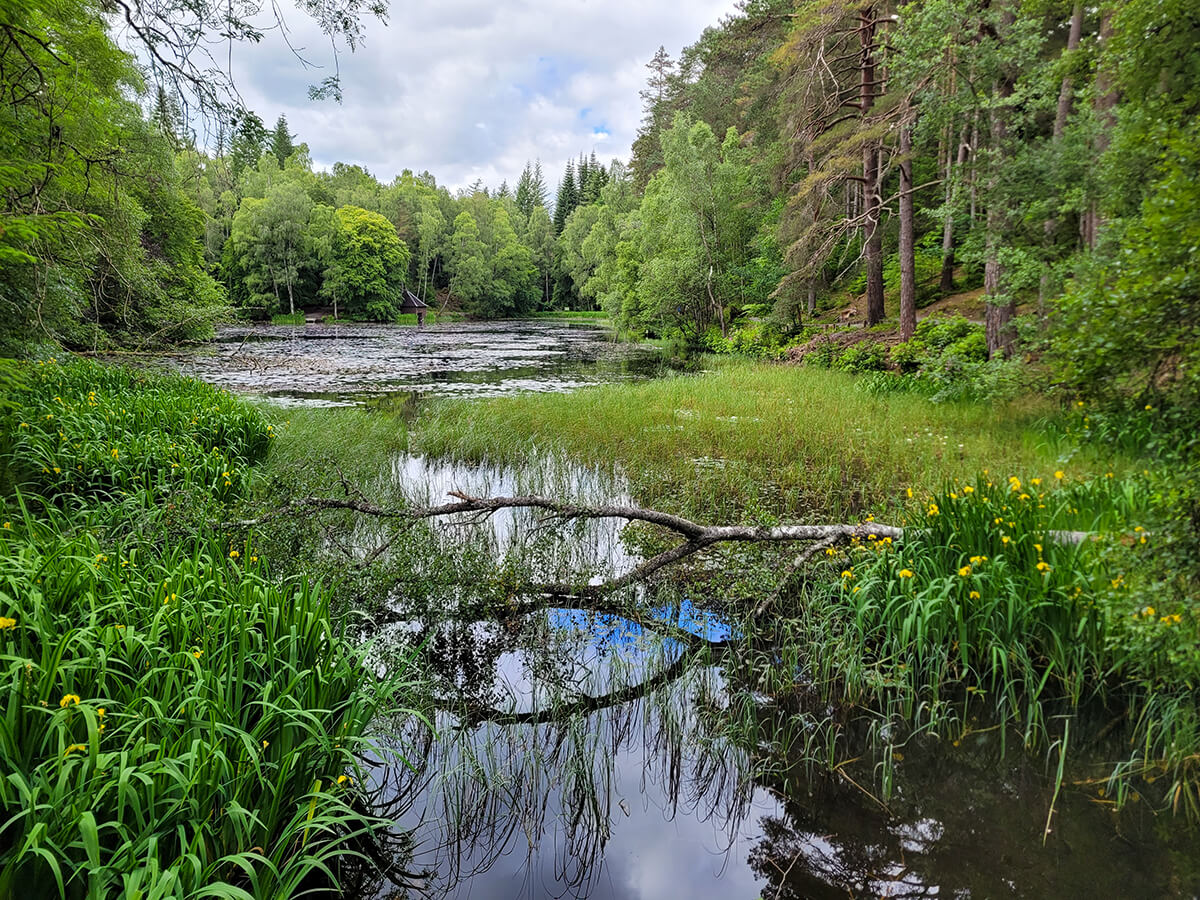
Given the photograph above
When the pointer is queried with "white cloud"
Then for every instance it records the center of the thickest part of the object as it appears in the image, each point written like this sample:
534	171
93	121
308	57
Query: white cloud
471	89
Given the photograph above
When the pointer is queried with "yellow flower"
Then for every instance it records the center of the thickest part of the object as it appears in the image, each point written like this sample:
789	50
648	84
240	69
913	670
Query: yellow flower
848	574
1138	529
115	453
1148	611
100	712
964	571
1149	407
1037	547
197	653
233	554
974	595
1004	539
967	489
342	779
1060	474
266	744
1118	581
1014	483
909	492
6	622
23	425
68	700
1035	481
933	509
8	524
997	520
976	560
904	573
254	559
82	748
1043	566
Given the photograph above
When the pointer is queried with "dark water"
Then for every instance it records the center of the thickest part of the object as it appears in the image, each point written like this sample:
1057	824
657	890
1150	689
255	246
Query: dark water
342	364
586	754
605	767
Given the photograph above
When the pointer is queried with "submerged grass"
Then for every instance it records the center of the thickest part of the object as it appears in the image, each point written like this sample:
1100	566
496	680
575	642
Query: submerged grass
758	440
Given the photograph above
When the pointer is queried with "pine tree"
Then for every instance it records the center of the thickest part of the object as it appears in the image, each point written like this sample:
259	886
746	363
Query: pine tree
656	96
249	142
167	116
282	145
567	200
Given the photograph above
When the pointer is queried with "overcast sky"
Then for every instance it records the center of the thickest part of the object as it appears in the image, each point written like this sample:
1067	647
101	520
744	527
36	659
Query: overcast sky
471	89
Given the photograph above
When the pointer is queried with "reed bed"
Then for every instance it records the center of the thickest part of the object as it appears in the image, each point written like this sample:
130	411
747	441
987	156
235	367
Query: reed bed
749	440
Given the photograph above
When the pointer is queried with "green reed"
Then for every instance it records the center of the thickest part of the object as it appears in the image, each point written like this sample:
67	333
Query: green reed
176	721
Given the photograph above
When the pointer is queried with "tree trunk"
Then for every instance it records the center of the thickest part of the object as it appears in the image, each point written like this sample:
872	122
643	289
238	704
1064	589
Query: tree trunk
1000	306
1106	99
947	280
291	299
1068	86
974	168
812	296
908	263
872	237
1050	226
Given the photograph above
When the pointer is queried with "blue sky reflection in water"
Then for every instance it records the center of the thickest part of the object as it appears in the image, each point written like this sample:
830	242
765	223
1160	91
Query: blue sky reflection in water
658	828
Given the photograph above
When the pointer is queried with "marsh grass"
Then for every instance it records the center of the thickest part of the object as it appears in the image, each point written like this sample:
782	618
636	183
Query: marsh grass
985	615
177	720
750	440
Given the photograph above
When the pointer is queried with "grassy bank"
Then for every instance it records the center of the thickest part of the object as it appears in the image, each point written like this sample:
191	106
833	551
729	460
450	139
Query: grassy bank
758	440
983	616
178	722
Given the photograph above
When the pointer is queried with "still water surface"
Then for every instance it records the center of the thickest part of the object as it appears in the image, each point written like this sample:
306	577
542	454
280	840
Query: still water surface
586	755
332	365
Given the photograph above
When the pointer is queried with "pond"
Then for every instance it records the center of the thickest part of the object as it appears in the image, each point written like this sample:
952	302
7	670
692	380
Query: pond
584	753
331	365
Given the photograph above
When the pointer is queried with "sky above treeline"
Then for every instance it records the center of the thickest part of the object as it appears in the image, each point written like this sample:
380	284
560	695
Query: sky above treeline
471	89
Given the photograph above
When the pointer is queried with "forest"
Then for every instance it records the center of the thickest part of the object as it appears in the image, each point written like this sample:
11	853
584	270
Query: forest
918	447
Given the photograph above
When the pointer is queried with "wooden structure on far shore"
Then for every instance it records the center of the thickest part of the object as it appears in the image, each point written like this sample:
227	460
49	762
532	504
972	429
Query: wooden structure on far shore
411	303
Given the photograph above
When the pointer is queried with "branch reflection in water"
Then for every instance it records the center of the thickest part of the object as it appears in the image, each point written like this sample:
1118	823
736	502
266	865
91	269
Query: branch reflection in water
649	748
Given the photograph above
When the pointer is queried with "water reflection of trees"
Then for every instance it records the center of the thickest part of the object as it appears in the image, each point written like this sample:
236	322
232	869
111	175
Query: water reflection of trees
528	753
542	708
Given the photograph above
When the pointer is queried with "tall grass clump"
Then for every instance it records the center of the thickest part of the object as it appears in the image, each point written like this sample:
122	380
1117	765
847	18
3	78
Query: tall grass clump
995	608
176	721
99	432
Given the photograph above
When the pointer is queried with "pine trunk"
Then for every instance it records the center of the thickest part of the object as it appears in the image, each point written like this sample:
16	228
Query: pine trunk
908	262
1000	306
947	280
872	235
1106	99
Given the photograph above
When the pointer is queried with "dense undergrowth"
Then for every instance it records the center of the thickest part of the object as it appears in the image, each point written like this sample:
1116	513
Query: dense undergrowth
177	721
995	611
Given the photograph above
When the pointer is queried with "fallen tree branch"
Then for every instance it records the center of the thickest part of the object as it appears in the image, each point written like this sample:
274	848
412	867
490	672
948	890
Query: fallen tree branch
697	537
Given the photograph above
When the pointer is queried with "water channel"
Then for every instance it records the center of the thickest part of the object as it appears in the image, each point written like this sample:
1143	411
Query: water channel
585	754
